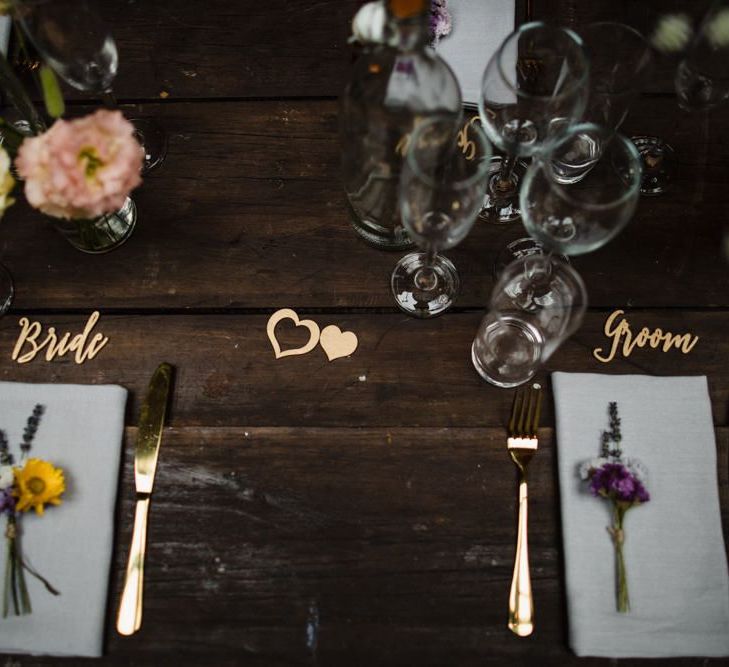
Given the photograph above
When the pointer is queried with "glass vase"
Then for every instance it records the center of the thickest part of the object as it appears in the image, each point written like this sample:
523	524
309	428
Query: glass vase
101	234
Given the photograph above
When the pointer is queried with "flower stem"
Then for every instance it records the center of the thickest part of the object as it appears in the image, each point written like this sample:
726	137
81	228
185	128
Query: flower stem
616	532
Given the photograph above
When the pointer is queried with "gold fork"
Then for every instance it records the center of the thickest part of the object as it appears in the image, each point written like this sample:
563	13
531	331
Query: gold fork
522	444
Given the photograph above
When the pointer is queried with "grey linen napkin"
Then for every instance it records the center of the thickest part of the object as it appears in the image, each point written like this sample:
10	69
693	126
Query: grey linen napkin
674	549
479	27
80	431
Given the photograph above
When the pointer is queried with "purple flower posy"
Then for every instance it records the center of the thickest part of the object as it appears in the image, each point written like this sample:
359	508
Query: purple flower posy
622	481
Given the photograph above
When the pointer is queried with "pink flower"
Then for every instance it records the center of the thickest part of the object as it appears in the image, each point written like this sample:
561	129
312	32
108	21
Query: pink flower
81	168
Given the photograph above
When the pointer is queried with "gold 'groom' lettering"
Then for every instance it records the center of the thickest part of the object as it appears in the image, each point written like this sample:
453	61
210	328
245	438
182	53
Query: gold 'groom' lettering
656	338
27	346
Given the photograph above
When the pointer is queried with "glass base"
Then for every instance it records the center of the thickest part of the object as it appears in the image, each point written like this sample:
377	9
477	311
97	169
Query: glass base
524	247
153	139
501	206
377	236
657	159
511	355
103	234
424	292
7	289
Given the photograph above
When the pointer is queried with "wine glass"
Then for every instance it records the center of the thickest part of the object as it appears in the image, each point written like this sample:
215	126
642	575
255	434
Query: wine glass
535	306
539	74
620	59
579	217
73	39
441	191
702	77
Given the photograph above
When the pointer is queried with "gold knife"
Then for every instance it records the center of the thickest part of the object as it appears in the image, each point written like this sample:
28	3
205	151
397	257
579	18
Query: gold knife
149	437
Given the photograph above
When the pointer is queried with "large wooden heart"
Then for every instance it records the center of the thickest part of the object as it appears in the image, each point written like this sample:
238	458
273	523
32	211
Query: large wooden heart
288	314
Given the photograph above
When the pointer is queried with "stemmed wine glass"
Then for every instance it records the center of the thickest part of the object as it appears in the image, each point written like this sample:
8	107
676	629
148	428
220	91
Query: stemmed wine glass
72	37
620	59
538	75
702	77
441	192
579	217
535	306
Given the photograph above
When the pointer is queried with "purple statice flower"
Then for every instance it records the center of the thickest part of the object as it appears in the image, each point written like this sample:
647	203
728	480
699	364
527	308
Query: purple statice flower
615	481
7	502
441	23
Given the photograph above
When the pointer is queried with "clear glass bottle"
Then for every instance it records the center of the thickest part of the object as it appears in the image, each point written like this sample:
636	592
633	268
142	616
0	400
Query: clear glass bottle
393	85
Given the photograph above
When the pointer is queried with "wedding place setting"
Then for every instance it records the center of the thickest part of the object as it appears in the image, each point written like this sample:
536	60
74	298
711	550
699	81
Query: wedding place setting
382	332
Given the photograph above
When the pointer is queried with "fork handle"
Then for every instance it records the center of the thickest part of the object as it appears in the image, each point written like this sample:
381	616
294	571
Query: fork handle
130	608
521	603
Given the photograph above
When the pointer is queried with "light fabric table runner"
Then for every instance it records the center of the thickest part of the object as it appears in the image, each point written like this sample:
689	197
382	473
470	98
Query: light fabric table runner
674	547
81	431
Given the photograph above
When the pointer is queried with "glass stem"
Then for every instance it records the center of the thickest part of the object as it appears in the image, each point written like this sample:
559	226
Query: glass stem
426	278
507	168
109	100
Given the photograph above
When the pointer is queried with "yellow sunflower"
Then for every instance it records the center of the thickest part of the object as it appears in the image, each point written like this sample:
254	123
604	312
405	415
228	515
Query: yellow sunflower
37	484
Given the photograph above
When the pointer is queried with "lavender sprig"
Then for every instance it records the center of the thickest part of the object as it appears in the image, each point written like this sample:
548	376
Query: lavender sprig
31	428
6	458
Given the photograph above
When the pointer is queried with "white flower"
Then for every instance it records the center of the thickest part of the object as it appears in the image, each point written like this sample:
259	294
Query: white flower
718	29
587	467
672	33
637	468
6	477
7	183
368	25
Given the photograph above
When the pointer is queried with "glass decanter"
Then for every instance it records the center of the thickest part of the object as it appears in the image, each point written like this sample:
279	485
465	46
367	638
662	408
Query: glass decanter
393	86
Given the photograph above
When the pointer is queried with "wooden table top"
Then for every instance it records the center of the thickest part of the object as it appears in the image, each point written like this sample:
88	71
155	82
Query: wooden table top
361	512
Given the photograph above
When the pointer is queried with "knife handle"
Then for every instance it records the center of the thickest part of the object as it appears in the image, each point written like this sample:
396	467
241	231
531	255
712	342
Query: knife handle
130	607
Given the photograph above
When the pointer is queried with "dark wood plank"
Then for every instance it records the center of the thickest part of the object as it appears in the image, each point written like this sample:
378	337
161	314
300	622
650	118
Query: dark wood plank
405	372
218	49
344	546
248	211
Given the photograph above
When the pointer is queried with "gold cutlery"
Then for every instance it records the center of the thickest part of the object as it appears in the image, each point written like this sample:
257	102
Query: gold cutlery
149	438
522	444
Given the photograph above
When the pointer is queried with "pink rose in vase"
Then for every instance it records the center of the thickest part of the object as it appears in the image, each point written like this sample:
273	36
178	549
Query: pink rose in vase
83	168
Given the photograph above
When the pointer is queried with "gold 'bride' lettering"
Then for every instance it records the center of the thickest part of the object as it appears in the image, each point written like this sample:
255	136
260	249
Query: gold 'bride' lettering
28	346
621	332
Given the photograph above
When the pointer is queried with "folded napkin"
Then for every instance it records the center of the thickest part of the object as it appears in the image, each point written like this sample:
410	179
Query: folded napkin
81	431
674	550
479	28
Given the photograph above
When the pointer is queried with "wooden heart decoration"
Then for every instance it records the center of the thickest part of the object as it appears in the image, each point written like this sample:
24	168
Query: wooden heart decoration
288	314
337	343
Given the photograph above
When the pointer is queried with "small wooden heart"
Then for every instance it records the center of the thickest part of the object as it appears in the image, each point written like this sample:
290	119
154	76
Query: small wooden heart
337	343
288	314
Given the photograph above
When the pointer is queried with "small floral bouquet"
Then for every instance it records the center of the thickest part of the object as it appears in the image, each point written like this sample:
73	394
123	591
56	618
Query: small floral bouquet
622	482
31	485
82	168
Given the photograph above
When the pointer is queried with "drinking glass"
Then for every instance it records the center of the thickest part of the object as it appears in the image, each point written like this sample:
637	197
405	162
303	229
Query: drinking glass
702	78
620	59
538	75
74	40
581	216
441	191
535	306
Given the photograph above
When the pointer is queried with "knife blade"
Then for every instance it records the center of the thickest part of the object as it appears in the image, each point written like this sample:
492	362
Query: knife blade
149	438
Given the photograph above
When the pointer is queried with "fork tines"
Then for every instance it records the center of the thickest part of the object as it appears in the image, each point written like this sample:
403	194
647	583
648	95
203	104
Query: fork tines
525	413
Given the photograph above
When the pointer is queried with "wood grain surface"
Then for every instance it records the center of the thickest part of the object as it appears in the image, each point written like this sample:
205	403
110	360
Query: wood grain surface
360	511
